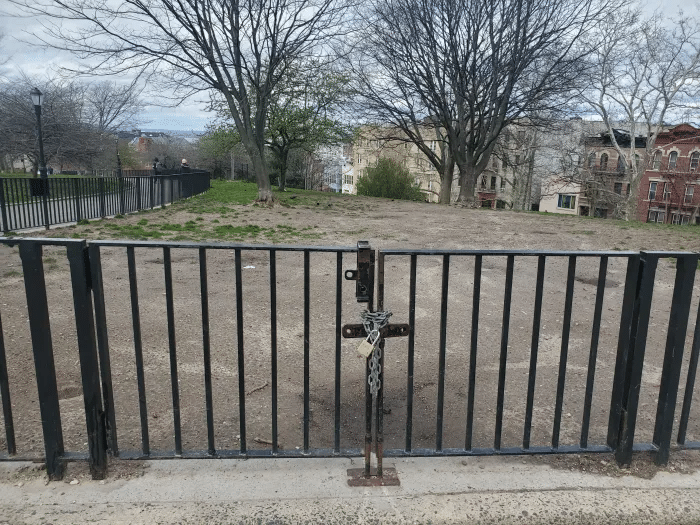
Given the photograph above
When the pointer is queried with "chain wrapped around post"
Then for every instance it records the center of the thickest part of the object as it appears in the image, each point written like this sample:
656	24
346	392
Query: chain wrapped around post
373	323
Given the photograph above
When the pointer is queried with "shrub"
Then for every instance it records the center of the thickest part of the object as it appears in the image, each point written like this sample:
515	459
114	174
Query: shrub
388	179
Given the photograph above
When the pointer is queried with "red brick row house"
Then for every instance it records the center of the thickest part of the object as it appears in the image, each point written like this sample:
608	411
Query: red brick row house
667	192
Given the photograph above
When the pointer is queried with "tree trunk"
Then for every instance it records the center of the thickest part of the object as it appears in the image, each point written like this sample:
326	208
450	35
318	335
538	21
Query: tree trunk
467	177
445	196
283	170
631	208
260	169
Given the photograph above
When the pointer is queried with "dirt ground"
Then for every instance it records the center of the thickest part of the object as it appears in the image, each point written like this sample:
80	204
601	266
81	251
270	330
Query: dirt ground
342	221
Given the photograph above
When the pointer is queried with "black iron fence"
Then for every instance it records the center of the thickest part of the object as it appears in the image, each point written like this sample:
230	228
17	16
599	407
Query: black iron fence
31	202
251	353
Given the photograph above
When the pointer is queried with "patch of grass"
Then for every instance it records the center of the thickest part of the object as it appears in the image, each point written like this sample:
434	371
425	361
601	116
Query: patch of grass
119	216
12	273
142	222
83	222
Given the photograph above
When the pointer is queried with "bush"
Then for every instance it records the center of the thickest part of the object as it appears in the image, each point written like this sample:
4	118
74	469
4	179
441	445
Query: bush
388	179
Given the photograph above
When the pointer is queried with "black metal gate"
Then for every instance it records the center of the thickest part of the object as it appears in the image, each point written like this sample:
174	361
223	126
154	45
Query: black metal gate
431	387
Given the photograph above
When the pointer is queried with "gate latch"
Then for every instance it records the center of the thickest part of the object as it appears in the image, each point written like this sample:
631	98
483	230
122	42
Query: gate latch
364	275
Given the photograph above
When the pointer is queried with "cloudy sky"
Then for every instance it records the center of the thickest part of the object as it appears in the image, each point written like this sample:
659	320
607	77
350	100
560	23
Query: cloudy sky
190	115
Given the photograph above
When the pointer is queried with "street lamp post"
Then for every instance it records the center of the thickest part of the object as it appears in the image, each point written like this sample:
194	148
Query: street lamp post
37	97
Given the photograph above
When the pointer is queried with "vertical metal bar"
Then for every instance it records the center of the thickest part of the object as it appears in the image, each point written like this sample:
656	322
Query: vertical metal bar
338	338
3	209
5	394
89	365
673	357
411	352
379	451
563	356
505	331
137	180
138	350
634	361
103	346
40	328
101	187
273	347
443	350
76	191
162	191
593	355
45	200
120	183
306	349
206	349
476	298
167	265
368	393
625	341
535	343
241	354
151	186
690	382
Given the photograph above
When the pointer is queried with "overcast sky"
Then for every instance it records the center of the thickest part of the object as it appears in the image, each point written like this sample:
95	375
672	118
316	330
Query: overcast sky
189	116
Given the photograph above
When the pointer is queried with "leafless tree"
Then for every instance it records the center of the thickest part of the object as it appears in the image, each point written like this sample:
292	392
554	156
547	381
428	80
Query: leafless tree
110	107
643	72
466	69
67	137
239	48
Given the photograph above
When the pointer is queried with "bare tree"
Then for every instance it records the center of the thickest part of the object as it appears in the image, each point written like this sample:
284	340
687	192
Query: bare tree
67	137
111	107
466	69
239	48
643	71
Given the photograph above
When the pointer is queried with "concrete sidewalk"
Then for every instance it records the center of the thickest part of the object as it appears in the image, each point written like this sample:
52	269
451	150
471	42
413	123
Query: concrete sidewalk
274	491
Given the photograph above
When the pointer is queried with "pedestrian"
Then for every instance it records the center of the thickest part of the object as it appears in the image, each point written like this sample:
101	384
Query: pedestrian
184	166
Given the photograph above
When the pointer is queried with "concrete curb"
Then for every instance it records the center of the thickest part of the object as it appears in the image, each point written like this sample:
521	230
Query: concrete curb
484	490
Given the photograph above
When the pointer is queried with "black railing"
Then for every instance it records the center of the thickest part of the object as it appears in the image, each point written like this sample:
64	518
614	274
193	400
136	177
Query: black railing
32	203
447	381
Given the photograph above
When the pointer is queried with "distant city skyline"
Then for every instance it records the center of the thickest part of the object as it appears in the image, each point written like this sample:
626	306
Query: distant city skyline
191	115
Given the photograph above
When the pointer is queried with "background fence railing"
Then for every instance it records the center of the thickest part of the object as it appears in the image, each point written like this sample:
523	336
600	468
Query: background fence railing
31	202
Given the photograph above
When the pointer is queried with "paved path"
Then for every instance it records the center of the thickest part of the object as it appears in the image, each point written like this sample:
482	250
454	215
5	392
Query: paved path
486	490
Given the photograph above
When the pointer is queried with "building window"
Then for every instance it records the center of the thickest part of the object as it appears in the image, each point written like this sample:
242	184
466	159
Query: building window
347	179
567	201
652	191
675	218
694	161
517	160
621	164
359	160
689	190
494	163
521	136
432	145
591	160
672	158
618	188
604	161
667	191
503	184
656	216
493	183
657	160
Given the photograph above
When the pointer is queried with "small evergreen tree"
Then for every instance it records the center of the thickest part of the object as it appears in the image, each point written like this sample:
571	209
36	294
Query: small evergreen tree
388	179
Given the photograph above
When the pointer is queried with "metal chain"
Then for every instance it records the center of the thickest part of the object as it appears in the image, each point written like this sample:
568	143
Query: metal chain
373	323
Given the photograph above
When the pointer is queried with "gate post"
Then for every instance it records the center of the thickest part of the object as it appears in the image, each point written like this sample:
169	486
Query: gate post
634	324
89	366
40	329
673	358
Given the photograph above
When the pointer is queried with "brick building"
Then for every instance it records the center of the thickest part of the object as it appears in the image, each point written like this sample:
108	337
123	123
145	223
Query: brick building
667	192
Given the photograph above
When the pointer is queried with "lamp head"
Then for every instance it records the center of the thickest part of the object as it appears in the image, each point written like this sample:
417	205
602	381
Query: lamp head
37	96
